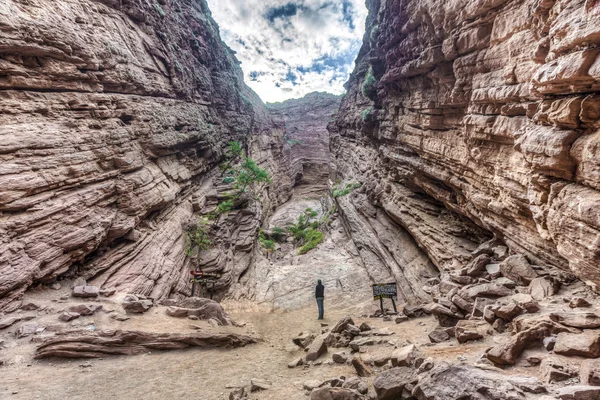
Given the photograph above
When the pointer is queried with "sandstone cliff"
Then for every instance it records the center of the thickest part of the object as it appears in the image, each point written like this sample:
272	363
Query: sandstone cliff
471	119
306	145
113	118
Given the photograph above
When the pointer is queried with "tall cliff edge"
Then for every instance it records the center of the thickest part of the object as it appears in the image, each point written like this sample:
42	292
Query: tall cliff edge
469	120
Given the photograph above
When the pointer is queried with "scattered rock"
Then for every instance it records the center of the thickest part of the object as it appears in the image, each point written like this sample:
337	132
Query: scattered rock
390	384
238	394
259	384
339	358
467	330
451	382
296	362
405	356
5	323
107	292
580	392
303	340
586	344
541	288
120	317
477	266
85	291
401	318
317	348
329	393
29	307
361	368
68	316
577	320
342	324
554	370
579	302
517	269
29	328
364	327
56	286
136	304
509	311
414	311
589	372
438	336
85	310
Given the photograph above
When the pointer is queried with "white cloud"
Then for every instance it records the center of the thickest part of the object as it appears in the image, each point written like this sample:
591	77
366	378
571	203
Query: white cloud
292	47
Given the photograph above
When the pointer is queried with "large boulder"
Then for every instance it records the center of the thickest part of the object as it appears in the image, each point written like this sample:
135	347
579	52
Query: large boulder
390	384
452	382
577	320
586	344
200	308
518	269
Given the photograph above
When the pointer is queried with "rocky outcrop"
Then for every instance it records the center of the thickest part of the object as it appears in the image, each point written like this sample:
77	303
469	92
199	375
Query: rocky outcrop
114	116
306	140
87	345
466	120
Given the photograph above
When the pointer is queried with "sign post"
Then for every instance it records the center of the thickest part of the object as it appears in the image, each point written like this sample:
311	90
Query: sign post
385	291
206	278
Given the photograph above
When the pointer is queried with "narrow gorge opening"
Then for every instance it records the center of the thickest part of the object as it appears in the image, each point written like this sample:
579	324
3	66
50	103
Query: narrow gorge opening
177	175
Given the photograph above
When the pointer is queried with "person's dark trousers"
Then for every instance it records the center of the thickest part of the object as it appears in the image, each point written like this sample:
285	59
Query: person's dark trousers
320	306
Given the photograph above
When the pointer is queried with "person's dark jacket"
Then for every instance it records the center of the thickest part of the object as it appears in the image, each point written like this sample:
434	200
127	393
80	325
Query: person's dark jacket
320	291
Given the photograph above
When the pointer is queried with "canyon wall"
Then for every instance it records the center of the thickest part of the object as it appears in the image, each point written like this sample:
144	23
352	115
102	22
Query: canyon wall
306	141
114	116
466	120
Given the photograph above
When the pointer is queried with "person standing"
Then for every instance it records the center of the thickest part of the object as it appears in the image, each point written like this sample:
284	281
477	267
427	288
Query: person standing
320	295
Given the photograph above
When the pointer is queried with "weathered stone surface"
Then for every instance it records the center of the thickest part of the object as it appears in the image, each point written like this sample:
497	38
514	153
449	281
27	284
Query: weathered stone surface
579	392
484	113
405	356
541	288
102	344
317	348
579	302
85	309
7	322
517	269
589	372
390	384
329	393
86	291
361	368
577	320
136	304
528	335
68	316
446	382
467	330
554	370
586	344
109	140
200	308
259	384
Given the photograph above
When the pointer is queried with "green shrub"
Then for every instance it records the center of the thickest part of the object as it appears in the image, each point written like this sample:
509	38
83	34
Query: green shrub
349	187
313	238
369	83
278	234
224	206
366	112
197	238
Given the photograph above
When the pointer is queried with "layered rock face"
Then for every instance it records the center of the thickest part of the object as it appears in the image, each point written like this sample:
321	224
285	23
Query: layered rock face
113	118
306	145
466	120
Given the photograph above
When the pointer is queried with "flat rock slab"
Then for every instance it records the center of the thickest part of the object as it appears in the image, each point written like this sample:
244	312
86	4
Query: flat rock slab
580	392
104	343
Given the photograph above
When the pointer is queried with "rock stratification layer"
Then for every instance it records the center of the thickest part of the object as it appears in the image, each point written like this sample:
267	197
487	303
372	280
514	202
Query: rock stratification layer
468	119
306	145
113	118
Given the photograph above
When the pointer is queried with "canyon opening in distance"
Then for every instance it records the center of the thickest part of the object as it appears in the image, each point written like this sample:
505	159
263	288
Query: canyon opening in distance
162	229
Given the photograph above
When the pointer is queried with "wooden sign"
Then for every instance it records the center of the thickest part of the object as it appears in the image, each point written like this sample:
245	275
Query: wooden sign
384	291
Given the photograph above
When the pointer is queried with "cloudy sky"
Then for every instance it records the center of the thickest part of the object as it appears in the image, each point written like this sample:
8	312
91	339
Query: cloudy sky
292	47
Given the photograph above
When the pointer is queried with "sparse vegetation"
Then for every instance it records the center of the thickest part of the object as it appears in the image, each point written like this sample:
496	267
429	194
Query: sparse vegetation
277	234
306	231
366	112
245	178
368	86
197	239
159	10
267	244
346	190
